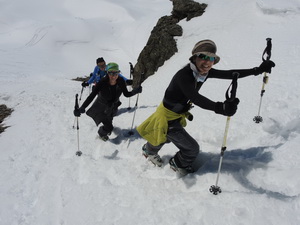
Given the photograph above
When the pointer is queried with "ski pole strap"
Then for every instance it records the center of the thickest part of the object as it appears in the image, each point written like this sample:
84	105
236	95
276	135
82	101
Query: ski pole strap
267	50
233	87
76	102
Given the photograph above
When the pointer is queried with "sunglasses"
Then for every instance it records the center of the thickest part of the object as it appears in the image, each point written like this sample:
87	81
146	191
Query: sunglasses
206	57
113	73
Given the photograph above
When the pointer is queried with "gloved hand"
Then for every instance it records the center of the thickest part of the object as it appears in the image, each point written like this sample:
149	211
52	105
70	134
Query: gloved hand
78	112
129	82
137	90
227	108
84	84
265	66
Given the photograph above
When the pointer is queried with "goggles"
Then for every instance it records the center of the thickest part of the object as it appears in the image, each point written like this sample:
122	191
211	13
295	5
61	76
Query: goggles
206	57
113	73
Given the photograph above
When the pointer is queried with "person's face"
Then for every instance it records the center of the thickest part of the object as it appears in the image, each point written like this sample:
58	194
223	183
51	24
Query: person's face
113	75
204	63
101	65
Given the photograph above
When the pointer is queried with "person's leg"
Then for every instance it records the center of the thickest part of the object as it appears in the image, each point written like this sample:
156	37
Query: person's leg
151	153
188	146
106	128
150	149
116	108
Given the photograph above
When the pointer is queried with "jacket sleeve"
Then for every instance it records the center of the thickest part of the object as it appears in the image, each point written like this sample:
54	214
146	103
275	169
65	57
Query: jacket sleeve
122	85
187	85
93	78
120	75
91	97
227	74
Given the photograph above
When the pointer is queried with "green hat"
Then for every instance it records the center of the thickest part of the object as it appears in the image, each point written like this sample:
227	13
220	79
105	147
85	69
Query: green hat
112	67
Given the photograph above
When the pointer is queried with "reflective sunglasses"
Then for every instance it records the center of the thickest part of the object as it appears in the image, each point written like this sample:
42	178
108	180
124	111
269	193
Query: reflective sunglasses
113	73
206	57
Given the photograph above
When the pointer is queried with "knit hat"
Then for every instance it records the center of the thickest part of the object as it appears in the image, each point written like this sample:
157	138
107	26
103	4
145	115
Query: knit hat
206	47
112	67
99	60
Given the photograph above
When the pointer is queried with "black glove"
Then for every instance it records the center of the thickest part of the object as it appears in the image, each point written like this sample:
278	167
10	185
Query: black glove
84	84
227	108
265	66
78	112
129	82
137	90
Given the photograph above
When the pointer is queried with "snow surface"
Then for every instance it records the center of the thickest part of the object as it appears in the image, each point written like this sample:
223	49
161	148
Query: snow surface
44	44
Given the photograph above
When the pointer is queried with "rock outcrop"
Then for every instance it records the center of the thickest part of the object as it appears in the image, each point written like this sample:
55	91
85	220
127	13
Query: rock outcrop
161	44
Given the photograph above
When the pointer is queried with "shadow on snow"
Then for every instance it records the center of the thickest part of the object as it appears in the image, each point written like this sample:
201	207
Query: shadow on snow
239	163
131	109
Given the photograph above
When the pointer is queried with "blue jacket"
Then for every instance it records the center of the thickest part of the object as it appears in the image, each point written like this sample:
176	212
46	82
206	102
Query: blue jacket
98	74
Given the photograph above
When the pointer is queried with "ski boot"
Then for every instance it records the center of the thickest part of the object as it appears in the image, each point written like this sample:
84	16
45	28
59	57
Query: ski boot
104	138
182	171
155	159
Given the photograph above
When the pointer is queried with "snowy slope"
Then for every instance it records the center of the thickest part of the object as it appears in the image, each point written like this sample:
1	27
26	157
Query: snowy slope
45	44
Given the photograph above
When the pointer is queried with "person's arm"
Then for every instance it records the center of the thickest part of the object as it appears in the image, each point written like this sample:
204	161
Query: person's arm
93	77
265	66
124	78
127	81
227	74
225	108
187	85
91	97
124	89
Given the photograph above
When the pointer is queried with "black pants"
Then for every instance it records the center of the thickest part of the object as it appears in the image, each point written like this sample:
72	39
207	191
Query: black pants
188	146
106	128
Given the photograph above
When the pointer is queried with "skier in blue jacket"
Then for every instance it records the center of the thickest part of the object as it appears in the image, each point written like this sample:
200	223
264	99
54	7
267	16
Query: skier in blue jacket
100	72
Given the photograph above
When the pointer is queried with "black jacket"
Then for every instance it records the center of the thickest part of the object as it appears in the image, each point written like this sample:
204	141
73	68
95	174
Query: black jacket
107	100
184	88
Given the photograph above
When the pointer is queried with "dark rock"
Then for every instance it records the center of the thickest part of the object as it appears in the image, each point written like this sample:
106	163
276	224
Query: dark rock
160	47
161	44
4	112
187	9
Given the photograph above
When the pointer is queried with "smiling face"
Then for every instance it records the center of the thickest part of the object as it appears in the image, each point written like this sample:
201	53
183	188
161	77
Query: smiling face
203	65
113	76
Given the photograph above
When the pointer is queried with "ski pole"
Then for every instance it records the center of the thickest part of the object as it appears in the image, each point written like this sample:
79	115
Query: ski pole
267	51
79	153
215	189
135	109
81	93
131	72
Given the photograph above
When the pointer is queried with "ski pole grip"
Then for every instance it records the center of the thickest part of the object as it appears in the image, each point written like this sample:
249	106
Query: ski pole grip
76	102
131	69
233	86
267	50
